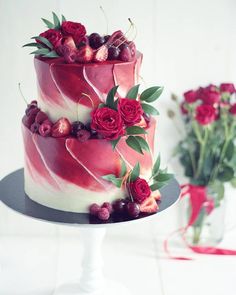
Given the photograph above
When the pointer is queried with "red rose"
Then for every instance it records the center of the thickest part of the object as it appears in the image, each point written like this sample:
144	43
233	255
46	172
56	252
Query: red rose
130	110
190	96
227	87
209	94
76	30
53	36
140	190
232	109
108	123
205	114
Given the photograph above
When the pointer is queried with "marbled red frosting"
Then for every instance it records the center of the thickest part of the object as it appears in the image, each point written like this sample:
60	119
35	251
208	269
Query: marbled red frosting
63	88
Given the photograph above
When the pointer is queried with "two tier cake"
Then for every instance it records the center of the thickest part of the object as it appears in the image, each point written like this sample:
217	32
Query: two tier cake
89	137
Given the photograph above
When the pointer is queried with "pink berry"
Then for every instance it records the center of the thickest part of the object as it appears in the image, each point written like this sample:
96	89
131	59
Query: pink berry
34	127
45	128
108	206
93	209
103	214
83	135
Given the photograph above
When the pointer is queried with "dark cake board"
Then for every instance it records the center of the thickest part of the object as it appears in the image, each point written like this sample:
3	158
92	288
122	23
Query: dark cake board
12	195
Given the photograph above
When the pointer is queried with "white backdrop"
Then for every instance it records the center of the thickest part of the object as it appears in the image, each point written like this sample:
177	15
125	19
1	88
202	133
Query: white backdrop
185	43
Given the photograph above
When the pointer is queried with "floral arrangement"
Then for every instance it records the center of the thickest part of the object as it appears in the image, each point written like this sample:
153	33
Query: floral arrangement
207	152
70	41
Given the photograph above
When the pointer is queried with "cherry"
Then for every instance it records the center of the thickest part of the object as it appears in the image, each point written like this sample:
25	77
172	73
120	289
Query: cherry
125	53
113	52
76	126
133	209
119	206
95	40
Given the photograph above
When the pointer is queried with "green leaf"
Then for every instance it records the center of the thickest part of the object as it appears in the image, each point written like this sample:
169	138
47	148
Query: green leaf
229	151
151	94
123	168
233	182
133	92
48	23
112	178
148	109
157	185
45	41
56	21
51	54
135	130
226	174
163	177
134	144
156	166
110	101
63	19
115	142
41	51
38	45
144	145
135	172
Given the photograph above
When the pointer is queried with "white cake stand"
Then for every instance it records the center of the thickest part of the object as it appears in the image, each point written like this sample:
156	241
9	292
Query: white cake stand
92	233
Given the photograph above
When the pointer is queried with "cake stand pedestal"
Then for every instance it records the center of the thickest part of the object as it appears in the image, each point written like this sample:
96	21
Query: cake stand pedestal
92	233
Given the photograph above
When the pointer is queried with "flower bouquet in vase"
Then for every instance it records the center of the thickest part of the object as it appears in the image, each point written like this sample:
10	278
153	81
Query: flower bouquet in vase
207	153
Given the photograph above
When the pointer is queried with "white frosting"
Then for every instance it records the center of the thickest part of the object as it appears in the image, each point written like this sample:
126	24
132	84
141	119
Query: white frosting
71	198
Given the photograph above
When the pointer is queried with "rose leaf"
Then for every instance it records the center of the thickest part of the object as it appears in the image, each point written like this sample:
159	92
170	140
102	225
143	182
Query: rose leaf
134	144
135	130
133	92
135	172
148	109
151	94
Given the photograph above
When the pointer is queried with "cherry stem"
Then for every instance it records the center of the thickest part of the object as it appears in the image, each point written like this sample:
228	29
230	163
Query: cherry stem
106	18
22	95
89	97
128	187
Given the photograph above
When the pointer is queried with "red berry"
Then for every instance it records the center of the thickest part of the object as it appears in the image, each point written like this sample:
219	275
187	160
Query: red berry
69	42
149	205
133	209
84	54
113	52
93	209
29	119
95	40
125	54
61	128
119	206
40	117
108	206
83	135
106	37
45	128
76	126
35	127
101	54
103	214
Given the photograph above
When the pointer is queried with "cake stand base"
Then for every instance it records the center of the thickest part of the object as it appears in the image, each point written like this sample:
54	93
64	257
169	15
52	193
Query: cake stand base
92	281
110	288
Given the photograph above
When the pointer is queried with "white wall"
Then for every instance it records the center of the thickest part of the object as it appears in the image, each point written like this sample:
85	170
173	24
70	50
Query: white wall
185	43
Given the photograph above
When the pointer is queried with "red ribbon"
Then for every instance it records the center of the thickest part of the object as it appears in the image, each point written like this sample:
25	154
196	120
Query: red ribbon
198	200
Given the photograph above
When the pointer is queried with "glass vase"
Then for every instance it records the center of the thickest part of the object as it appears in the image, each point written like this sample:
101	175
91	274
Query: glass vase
208	228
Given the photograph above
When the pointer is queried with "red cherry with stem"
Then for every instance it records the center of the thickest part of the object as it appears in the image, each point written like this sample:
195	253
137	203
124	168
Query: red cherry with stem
113	52
133	209
119	206
125	54
83	135
76	126
95	40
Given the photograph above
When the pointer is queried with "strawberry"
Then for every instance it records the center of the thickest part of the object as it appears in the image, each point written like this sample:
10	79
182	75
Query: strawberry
69	42
84	54
61	128
101	54
149	205
156	195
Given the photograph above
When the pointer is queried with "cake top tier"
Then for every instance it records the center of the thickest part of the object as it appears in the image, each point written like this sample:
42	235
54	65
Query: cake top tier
69	42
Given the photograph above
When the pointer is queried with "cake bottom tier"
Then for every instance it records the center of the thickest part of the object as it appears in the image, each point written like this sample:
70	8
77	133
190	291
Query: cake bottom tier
66	174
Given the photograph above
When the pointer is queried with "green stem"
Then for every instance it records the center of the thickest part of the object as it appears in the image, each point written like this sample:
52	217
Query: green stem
202	153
